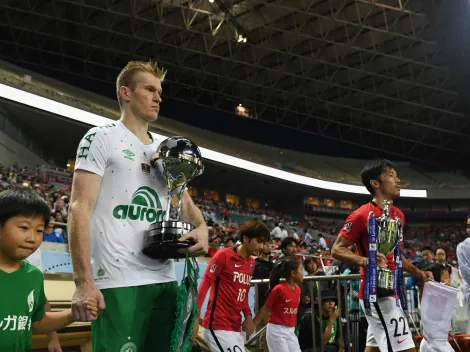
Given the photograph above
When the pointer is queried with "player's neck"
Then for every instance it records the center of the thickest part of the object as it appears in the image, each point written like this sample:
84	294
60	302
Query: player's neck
243	252
138	126
7	264
379	200
290	282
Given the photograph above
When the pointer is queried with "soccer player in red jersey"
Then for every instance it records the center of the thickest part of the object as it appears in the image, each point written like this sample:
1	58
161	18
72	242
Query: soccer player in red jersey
388	326
283	303
228	276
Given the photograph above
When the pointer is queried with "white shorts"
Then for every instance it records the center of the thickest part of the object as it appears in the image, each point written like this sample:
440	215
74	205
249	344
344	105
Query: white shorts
281	338
388	326
224	341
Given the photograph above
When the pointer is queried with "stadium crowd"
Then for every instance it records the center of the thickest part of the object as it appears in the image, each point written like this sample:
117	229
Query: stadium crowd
223	219
310	240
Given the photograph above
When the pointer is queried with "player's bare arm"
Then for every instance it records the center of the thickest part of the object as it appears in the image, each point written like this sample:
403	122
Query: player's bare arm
54	342
414	271
248	326
191	213
342	252
85	189
53	321
262	315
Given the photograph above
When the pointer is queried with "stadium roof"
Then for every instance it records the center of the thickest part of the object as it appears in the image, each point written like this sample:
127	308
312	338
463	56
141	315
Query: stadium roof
366	72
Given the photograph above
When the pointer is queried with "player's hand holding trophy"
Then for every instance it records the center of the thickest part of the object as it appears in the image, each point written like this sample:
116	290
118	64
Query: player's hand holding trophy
180	160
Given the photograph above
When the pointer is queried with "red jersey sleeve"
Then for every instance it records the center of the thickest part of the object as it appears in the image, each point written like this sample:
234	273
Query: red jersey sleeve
216	265
272	298
354	226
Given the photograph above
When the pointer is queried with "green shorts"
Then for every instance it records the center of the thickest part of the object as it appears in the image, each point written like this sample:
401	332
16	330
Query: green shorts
136	319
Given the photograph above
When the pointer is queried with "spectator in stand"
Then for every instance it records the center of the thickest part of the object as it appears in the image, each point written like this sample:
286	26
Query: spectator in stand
58	217
310	266
327	330
276	243
321	252
454	272
229	243
293	234
328	260
321	241
60	227
276	232
428	258
288	247
284	233
50	235
441	256
307	236
61	206
214	246
263	266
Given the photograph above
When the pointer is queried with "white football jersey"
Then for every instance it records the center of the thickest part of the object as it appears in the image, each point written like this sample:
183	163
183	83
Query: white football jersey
132	196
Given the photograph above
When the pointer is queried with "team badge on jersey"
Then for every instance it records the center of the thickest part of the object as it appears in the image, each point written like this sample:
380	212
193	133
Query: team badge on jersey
145	169
213	268
128	347
31	301
347	226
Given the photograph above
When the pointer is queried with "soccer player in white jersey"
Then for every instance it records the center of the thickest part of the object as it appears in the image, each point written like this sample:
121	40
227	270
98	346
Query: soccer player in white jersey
116	195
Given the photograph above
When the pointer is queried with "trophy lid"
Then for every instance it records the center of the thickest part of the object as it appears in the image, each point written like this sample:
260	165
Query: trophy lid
181	159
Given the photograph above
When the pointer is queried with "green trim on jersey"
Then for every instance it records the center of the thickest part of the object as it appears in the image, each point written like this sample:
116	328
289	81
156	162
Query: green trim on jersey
21	304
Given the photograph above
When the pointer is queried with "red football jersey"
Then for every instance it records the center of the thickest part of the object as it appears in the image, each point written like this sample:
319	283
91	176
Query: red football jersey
229	277
283	301
355	230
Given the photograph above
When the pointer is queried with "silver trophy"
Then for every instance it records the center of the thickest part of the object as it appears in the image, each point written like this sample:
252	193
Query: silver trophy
180	159
388	237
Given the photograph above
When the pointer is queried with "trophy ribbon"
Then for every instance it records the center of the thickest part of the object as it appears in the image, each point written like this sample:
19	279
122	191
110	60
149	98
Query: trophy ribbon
370	282
399	280
186	308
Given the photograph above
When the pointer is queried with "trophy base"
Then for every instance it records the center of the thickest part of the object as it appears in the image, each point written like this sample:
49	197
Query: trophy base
162	240
385	282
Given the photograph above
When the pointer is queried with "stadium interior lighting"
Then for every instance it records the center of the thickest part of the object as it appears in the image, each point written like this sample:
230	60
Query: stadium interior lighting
241	39
242	111
86	117
211	1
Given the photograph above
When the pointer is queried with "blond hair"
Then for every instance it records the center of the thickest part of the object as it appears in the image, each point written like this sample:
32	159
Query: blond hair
126	76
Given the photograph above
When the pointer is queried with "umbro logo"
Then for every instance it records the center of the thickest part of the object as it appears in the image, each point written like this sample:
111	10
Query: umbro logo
128	154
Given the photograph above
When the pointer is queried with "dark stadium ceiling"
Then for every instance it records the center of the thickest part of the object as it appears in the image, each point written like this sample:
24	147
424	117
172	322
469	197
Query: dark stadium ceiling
364	72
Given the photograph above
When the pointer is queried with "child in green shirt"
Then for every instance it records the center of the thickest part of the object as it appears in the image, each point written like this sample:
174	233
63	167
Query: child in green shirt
23	217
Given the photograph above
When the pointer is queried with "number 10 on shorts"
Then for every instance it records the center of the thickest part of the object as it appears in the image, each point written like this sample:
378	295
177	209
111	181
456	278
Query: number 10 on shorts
241	294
